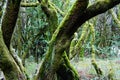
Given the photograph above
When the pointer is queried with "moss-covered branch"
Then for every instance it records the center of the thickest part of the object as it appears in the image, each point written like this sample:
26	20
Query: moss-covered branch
8	64
34	4
58	10
97	69
51	13
97	8
91	11
77	48
115	18
67	62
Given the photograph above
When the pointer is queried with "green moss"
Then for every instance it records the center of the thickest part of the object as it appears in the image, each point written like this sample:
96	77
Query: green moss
61	38
97	69
70	69
52	17
78	48
7	63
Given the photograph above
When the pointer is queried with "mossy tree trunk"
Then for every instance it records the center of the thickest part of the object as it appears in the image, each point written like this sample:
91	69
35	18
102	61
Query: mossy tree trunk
51	14
60	41
61	38
7	62
66	71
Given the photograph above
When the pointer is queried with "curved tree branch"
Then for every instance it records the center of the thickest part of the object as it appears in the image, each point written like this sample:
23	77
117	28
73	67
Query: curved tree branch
98	8
91	11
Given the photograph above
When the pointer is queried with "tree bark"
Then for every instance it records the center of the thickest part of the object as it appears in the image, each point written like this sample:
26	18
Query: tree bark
62	36
9	20
7	62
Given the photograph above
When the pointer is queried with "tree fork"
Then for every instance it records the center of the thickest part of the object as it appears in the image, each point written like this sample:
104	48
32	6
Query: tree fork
62	36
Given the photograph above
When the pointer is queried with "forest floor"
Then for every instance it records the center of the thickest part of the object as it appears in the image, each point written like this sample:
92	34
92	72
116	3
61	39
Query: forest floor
85	69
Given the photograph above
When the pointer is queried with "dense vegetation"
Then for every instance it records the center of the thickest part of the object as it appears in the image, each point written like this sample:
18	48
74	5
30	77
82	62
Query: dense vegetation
59	39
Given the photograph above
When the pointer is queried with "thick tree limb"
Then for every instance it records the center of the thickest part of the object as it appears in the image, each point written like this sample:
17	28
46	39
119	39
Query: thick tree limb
93	10
98	8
